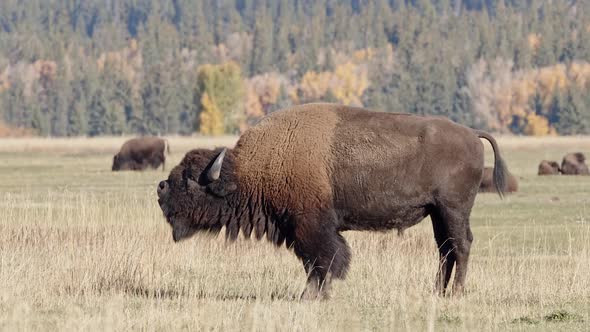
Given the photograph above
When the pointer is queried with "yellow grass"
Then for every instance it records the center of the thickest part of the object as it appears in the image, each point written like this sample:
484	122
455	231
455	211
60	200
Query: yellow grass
82	248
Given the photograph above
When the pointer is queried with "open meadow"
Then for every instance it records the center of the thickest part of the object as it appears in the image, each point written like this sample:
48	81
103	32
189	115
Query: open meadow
84	248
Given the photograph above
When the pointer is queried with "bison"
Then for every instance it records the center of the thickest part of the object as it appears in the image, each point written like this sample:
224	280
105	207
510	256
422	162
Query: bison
574	164
547	167
304	175
487	181
140	153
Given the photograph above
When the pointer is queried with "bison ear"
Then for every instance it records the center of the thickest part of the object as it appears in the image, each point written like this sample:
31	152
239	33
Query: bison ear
221	189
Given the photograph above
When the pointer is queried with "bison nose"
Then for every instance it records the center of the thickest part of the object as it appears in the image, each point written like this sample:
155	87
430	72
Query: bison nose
162	188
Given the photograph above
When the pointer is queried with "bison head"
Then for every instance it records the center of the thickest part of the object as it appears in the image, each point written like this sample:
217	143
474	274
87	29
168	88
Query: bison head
555	167
197	193
126	164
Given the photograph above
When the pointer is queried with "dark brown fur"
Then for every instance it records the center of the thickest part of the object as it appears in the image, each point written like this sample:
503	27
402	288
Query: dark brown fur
547	167
574	164
304	175
137	154
487	182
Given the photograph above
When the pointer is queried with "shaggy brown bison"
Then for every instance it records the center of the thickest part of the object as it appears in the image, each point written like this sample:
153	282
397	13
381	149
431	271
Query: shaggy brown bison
574	164
547	167
140	153
304	175
487	181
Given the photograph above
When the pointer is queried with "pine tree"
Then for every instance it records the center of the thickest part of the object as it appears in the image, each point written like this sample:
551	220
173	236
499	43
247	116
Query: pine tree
573	117
262	43
76	113
97	114
281	47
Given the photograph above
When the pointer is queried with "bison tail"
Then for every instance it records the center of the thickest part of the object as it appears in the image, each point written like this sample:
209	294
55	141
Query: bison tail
500	170
167	146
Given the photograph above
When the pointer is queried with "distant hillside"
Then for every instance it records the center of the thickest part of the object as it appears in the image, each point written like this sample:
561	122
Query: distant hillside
77	67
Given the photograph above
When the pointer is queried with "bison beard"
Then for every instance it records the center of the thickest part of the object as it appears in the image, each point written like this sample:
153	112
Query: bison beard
305	175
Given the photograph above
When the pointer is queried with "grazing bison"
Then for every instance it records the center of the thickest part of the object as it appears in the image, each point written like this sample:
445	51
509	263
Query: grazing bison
487	181
574	164
139	153
547	167
302	176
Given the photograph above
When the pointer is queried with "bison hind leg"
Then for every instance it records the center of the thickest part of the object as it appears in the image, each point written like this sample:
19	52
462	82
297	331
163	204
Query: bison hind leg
324	252
453	237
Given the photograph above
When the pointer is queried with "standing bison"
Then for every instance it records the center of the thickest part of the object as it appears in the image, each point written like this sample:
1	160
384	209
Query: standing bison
140	153
304	175
487	181
547	167
574	164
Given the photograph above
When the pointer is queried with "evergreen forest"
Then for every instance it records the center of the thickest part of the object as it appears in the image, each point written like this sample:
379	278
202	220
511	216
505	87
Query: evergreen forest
213	67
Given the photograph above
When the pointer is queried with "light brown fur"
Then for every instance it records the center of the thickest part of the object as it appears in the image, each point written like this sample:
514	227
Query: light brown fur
285	151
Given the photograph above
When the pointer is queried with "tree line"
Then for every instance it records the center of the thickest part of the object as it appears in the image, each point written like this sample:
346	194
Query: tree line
79	67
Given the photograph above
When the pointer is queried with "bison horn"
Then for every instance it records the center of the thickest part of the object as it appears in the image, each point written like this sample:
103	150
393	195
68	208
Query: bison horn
215	170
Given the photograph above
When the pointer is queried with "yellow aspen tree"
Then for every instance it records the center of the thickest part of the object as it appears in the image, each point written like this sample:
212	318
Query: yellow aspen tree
211	117
537	125
352	81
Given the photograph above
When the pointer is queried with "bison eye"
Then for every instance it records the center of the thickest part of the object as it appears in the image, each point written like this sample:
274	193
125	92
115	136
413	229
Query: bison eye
189	180
192	184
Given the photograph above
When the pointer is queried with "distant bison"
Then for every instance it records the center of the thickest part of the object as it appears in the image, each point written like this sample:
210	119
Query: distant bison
487	181
302	176
547	167
574	164
140	153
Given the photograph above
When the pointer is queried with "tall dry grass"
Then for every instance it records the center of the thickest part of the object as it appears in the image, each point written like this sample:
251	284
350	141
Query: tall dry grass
82	248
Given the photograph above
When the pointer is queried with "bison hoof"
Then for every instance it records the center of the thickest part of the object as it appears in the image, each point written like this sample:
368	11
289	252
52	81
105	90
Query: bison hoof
314	293
455	292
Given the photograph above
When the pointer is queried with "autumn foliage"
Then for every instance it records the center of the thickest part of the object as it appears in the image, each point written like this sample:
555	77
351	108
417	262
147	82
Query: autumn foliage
521	100
211	117
210	67
7	131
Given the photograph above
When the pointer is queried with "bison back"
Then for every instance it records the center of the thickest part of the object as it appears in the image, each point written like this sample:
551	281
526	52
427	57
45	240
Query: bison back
357	161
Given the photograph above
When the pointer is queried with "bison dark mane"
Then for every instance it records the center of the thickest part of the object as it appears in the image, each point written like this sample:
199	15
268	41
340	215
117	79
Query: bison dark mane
247	213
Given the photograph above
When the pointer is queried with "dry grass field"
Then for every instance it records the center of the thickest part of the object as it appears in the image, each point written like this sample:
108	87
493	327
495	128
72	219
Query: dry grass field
83	248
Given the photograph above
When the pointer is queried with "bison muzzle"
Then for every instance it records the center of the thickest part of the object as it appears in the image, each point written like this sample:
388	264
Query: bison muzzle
304	175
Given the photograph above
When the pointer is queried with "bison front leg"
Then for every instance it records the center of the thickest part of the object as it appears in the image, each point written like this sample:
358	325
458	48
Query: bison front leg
325	255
